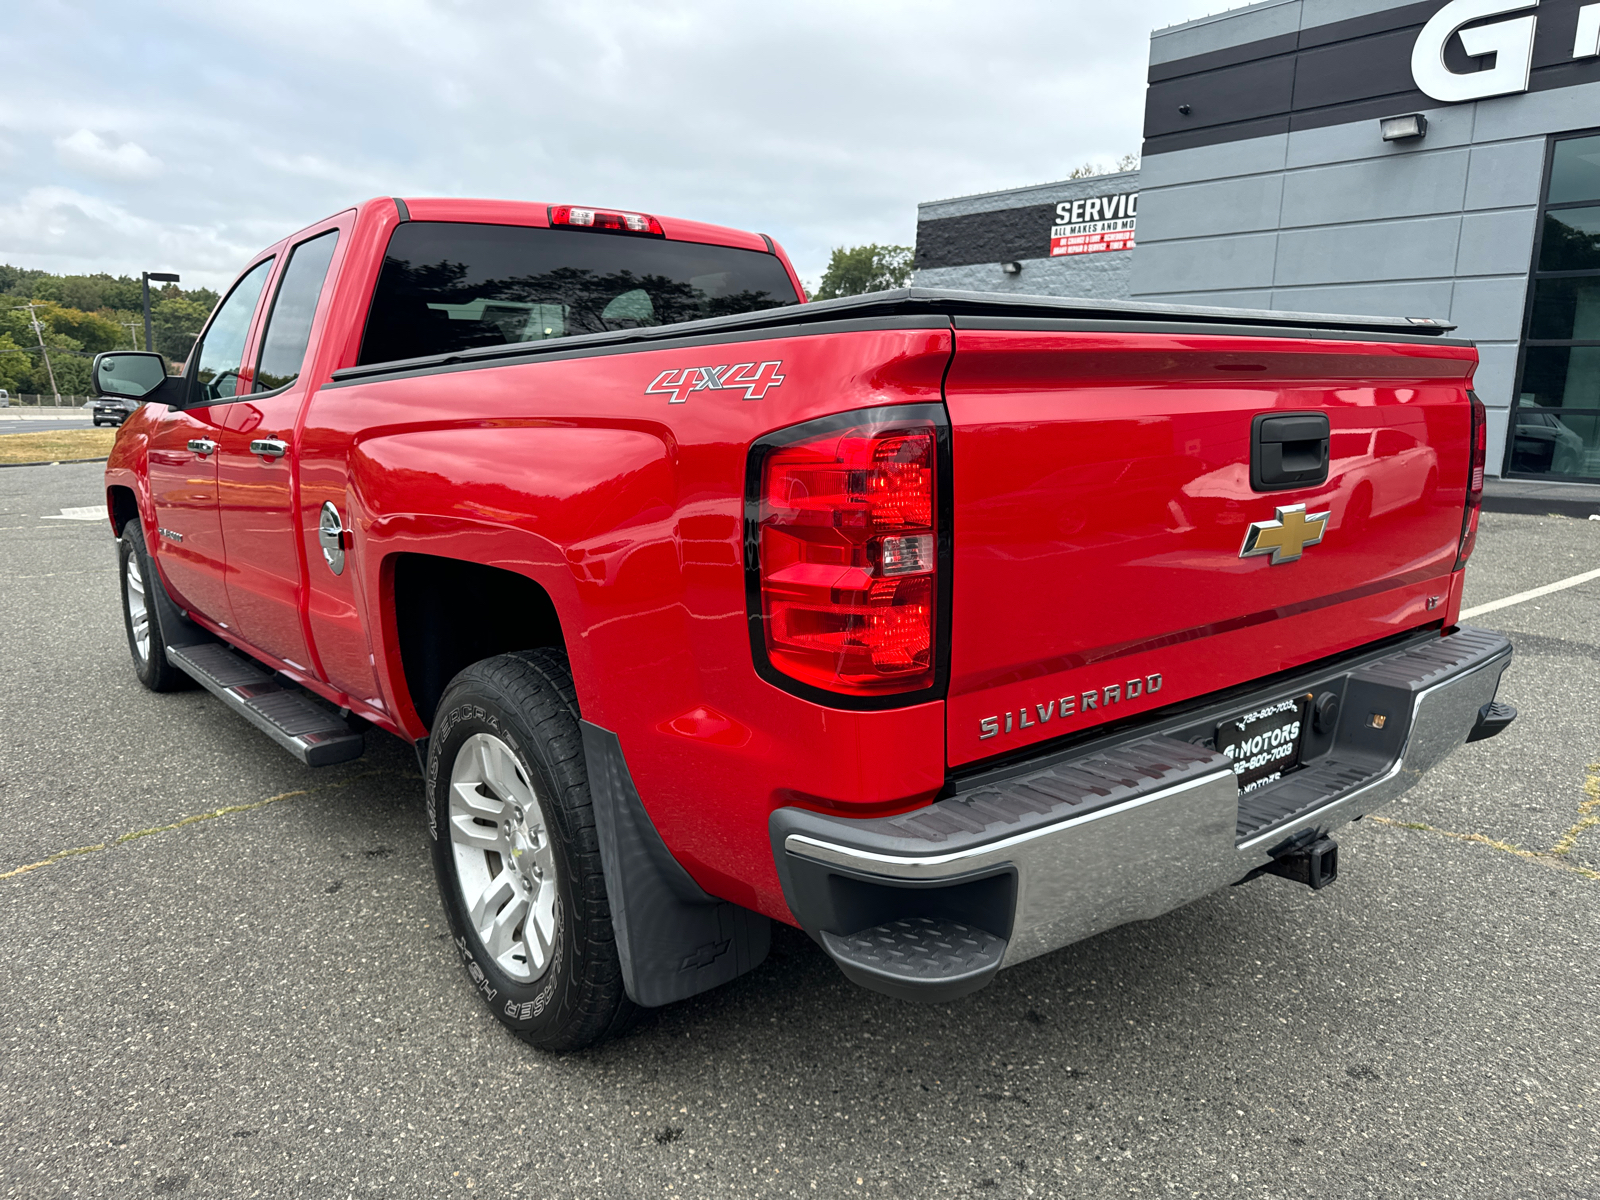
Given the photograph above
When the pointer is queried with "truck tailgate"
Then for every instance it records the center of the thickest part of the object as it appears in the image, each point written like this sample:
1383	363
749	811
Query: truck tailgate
1103	495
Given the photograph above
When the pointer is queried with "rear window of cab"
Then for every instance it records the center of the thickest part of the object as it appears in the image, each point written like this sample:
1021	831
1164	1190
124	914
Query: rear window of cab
448	286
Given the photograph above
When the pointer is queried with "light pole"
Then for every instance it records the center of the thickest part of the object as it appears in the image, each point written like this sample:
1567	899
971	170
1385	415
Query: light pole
159	277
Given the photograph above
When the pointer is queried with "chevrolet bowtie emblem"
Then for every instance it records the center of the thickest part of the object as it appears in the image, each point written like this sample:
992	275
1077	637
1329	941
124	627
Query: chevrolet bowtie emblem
1285	536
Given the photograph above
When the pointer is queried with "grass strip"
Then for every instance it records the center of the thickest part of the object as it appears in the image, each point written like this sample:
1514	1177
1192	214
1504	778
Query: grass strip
56	445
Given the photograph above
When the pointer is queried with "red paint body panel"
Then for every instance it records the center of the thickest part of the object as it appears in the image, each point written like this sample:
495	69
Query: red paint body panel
1100	487
632	522
182	496
1102	499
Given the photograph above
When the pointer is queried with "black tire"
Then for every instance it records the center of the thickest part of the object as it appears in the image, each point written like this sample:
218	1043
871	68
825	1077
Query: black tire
150	664
527	702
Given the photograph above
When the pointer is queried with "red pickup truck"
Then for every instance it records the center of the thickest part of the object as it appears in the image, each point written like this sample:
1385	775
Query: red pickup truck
952	628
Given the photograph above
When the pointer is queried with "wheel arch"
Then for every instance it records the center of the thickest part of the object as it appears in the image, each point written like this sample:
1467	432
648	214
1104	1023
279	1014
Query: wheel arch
450	613
124	506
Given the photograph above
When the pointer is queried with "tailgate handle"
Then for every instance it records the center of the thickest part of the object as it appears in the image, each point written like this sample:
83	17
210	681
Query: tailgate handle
1288	450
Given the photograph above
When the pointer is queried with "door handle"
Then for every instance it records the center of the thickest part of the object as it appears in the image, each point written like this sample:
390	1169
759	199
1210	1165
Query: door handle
269	447
202	446
1288	450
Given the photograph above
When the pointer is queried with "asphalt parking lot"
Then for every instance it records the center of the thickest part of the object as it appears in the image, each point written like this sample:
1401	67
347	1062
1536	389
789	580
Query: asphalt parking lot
236	983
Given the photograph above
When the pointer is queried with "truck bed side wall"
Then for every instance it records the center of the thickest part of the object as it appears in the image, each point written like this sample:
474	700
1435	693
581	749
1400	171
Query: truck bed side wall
628	511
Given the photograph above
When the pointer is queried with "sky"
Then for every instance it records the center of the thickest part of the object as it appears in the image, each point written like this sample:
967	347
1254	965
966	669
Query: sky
185	135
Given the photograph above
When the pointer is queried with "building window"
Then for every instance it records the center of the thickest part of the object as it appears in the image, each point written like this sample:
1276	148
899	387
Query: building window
1555	422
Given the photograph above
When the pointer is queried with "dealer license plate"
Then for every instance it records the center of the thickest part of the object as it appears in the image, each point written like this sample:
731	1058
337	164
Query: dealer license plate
1264	743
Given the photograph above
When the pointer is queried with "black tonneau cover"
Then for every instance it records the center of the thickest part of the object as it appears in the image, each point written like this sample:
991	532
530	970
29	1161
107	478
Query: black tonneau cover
931	307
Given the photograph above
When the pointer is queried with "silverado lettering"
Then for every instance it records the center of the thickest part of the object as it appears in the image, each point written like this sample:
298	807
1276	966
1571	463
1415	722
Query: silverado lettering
675	671
1113	693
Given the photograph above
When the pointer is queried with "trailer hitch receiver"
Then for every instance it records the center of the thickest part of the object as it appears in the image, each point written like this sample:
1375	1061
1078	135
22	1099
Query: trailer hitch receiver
1316	865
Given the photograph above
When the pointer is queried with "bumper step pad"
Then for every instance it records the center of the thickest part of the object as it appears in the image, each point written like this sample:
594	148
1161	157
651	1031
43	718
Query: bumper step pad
918	958
304	728
1390	685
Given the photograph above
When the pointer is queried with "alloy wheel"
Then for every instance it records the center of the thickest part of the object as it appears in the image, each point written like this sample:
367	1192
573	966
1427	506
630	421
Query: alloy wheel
505	866
138	608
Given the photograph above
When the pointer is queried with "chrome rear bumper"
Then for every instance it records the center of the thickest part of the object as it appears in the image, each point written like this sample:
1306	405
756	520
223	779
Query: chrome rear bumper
1061	849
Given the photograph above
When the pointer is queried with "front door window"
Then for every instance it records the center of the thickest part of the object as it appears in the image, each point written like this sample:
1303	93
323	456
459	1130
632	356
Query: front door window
221	354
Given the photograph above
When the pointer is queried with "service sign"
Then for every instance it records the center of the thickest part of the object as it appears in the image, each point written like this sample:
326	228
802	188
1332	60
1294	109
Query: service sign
1094	225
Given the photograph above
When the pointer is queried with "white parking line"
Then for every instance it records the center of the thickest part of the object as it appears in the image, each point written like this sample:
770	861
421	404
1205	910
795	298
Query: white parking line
90	512
1533	594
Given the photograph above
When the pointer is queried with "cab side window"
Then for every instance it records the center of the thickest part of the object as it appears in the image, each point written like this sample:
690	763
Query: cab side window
283	349
221	355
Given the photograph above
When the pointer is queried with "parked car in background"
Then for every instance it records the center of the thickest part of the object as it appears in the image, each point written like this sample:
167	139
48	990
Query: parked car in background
113	410
1542	443
5	398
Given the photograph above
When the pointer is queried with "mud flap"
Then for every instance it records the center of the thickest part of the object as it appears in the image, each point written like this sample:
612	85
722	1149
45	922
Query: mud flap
674	940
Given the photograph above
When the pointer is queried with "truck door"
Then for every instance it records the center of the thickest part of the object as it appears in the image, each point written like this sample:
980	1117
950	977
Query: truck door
256	461
182	457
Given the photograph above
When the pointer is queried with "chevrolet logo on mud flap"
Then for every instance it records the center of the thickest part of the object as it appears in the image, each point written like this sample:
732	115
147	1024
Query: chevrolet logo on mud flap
753	379
1286	536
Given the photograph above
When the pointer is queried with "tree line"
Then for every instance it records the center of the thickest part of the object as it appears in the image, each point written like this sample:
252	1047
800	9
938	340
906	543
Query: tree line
81	315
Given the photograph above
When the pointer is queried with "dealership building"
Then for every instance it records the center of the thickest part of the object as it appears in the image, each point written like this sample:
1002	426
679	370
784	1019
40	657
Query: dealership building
1353	156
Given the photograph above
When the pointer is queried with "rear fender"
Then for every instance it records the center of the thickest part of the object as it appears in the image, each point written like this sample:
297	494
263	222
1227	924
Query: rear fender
525	499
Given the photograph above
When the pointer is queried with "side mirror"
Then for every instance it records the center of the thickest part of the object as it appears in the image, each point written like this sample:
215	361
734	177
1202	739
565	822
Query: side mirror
128	374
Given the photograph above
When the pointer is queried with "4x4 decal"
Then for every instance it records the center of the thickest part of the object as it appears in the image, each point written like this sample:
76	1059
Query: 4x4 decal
753	379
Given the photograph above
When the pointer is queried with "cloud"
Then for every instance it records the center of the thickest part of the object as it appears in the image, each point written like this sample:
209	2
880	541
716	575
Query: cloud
820	123
66	231
89	152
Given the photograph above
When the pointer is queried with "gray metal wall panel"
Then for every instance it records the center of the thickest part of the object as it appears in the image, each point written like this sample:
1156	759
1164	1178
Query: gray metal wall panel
1506	174
1495	378
1249	299
1238	205
1421	248
1376	190
1497	243
1499	419
1491	308
1402	298
1221	31
1249	156
1536	114
1362	140
1221	263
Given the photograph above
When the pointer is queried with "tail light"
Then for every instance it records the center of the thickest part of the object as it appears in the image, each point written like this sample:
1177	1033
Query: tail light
605	220
843	550
1479	459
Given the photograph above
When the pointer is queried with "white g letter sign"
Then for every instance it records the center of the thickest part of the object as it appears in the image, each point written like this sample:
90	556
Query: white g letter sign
1511	42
